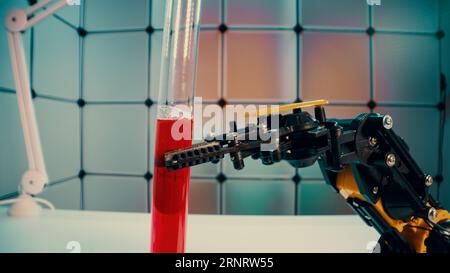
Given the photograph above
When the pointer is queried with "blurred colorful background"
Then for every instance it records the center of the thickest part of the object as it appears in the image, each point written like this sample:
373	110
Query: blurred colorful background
95	69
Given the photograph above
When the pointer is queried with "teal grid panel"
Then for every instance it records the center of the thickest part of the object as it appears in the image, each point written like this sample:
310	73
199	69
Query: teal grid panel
96	93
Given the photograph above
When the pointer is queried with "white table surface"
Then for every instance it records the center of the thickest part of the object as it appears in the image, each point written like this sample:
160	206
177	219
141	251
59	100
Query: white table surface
130	232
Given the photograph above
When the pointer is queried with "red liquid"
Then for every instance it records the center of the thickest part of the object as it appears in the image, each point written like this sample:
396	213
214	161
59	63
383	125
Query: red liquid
170	192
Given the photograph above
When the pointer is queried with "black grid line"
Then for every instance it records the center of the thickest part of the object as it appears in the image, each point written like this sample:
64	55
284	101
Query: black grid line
89	102
296	179
64	21
298	55
297	51
222	79
111	31
81	44
89	173
148	150
371	56
222	64
442	112
55	98
7	90
49	184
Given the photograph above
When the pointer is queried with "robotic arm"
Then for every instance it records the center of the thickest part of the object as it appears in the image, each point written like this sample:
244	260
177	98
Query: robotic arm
362	158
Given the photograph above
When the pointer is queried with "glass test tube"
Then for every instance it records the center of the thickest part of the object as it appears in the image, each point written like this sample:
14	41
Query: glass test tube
174	124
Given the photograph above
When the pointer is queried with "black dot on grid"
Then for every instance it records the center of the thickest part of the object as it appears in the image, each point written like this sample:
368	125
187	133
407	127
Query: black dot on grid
443	82
148	176
440	34
223	28
81	103
82	32
298	28
372	104
222	102
370	31
221	178
148	103
296	178
149	30
439	178
33	94
81	174
440	106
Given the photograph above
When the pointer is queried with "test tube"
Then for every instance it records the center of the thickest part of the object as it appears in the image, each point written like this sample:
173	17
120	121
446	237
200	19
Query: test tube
174	124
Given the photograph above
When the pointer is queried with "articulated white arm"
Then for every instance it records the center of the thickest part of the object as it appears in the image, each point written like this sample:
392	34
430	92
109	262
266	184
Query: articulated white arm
35	178
18	20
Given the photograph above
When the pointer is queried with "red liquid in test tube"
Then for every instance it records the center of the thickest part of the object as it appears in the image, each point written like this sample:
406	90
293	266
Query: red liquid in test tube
170	191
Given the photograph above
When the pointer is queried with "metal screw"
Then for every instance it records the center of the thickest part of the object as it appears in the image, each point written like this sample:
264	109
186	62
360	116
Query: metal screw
288	151
375	190
373	141
388	122
428	180
432	214
390	160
